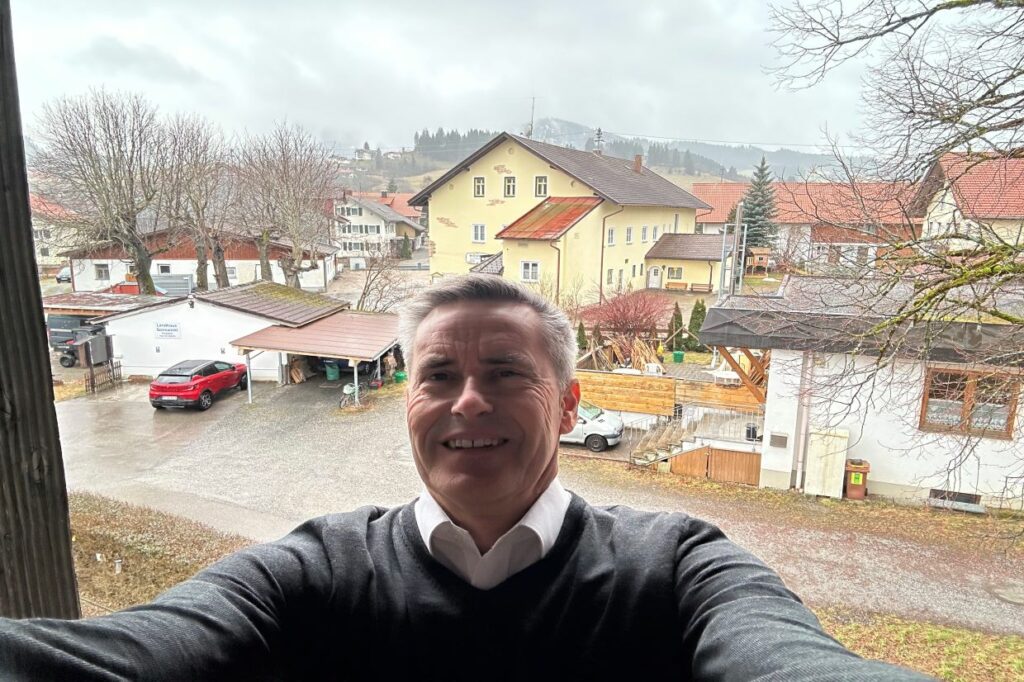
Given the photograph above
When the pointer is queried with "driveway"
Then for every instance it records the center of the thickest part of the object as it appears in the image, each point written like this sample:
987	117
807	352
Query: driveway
260	469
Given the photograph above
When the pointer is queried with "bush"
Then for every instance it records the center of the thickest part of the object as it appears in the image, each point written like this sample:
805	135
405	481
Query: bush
697	316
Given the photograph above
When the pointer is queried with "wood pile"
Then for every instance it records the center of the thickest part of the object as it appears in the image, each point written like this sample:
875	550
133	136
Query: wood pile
622	351
299	370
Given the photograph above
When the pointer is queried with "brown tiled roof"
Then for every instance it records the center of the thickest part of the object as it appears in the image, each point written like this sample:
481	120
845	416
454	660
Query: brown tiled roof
287	305
550	219
492	265
610	177
687	247
346	334
984	186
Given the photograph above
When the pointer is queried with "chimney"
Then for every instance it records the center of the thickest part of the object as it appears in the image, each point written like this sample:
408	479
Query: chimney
598	152
638	163
383	194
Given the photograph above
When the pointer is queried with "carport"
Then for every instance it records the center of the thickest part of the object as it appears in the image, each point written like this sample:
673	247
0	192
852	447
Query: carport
344	335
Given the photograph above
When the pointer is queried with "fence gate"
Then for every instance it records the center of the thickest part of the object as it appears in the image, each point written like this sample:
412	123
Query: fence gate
103	376
718	464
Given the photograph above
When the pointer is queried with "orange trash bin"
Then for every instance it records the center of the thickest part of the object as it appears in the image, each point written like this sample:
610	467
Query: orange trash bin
855	484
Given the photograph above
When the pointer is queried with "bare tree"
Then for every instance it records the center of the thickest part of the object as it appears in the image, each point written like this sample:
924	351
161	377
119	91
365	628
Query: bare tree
287	178
105	158
200	192
383	286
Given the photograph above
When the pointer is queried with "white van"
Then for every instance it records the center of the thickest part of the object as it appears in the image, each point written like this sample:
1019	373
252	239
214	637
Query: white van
595	428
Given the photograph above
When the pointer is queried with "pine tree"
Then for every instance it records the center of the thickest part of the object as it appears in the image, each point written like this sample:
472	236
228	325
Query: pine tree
759	207
677	324
688	168
697	316
581	337
392	184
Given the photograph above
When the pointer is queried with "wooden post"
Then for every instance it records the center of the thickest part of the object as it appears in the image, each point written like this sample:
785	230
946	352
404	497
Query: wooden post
754	389
37	576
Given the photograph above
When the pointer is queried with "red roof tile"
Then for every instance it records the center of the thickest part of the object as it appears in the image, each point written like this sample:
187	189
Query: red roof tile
812	203
43	208
985	187
398	201
550	219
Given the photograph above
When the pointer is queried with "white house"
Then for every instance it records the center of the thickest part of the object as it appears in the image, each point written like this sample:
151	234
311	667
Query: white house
151	339
105	265
931	418
363	228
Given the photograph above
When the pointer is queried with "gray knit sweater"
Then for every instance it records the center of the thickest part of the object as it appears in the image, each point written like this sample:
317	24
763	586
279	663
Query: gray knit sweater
622	594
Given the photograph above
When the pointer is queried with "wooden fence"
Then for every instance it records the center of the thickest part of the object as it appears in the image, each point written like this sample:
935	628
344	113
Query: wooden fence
628	392
100	377
711	394
718	464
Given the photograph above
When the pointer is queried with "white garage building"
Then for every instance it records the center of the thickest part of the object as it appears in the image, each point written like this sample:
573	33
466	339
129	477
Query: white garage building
202	326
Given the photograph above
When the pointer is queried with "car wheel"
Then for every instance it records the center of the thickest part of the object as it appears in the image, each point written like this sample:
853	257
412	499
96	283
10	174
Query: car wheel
243	382
205	400
596	443
67	361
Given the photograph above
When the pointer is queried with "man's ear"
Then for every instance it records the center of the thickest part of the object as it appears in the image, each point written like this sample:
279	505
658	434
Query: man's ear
570	401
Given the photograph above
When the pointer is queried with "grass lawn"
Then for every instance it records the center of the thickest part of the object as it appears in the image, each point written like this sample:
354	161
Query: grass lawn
159	550
68	390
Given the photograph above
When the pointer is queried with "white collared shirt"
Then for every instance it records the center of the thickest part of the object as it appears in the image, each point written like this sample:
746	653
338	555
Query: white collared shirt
524	544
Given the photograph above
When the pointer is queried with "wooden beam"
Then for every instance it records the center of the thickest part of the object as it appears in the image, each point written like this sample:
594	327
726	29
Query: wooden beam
751	386
754	362
37	575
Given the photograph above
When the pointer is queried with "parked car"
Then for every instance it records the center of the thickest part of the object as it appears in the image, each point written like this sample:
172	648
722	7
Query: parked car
194	383
595	428
64	276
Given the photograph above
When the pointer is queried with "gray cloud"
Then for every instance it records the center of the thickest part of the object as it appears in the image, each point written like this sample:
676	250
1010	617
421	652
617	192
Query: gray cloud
360	70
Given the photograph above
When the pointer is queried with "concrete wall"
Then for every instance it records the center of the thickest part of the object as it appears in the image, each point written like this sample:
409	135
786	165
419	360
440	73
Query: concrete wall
205	333
883	427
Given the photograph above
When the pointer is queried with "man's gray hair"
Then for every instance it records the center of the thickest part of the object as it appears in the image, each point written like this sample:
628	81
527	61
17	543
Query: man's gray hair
555	328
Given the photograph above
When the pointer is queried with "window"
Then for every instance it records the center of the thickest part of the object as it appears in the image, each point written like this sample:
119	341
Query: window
629	235
102	272
674	273
510	185
339	211
44	252
611	276
479	233
643	233
530	271
611	238
634	271
163	269
969	402
654	233
641	269
619	283
232	273
540	185
222	366
699	228
478	186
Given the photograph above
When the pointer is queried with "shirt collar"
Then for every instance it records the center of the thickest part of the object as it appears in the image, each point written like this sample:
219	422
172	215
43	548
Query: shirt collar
545	517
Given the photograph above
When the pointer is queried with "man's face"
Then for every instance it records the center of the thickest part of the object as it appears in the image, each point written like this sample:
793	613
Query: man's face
484	406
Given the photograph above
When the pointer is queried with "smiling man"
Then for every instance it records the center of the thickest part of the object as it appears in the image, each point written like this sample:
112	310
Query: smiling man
495	572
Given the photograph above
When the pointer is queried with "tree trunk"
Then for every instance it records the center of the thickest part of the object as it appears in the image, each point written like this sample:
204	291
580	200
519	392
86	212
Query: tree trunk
220	268
143	263
37	575
202	267
263	244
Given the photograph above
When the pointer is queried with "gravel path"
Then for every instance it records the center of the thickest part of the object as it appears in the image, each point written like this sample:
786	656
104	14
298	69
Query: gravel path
259	470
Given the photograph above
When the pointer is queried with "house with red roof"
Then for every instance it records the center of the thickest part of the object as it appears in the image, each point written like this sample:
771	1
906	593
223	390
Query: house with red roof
978	194
396	201
48	236
821	222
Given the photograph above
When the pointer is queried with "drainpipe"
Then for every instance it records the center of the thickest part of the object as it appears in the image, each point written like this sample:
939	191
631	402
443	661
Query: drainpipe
600	278
558	270
803	422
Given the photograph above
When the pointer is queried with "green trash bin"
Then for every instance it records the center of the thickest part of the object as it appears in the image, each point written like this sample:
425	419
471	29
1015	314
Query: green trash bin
677	356
400	377
332	370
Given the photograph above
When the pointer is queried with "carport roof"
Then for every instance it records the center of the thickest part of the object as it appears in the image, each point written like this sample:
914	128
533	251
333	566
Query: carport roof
346	334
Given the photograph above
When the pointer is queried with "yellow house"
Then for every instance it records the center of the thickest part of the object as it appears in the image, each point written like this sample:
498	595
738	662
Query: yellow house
976	194
576	224
686	262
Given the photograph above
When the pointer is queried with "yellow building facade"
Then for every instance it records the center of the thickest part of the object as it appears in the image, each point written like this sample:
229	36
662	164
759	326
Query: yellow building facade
591	253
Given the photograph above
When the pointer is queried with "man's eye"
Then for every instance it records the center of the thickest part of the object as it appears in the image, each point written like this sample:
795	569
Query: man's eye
437	376
507	373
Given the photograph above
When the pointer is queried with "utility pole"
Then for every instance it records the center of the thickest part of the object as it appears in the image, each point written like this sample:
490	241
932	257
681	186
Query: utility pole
533	107
37	574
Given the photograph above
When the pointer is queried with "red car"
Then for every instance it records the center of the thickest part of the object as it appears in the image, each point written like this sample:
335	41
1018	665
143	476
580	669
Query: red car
195	382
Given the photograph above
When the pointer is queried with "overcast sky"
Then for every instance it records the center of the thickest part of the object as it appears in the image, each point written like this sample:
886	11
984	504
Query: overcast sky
352	70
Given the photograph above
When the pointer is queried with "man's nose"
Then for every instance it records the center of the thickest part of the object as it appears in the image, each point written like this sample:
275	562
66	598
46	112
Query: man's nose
471	401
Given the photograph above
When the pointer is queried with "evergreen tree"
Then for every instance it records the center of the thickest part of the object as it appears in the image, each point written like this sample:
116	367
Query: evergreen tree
676	324
405	249
581	338
598	339
392	184
697	316
731	218
759	207
688	168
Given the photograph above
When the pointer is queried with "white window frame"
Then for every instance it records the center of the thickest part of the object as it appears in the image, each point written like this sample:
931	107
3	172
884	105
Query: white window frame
482	237
611	236
643	234
611	276
510	184
654	234
533	265
674	273
539	180
97	268
163	268
232	272
479	186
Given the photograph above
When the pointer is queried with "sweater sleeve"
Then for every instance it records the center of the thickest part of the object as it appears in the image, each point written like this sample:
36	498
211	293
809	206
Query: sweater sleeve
741	623
232	620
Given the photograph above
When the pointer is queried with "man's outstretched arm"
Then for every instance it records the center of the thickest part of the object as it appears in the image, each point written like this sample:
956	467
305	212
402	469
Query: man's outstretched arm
741	623
236	619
